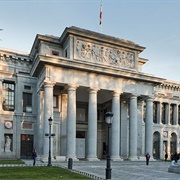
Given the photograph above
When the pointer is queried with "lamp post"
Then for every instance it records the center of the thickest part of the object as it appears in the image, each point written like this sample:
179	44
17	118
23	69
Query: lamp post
108	118
49	135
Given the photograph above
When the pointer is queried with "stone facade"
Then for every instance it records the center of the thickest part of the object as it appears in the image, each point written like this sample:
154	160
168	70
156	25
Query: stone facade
75	79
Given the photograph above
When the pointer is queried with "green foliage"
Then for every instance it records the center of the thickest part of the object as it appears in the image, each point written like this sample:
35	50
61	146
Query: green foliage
38	172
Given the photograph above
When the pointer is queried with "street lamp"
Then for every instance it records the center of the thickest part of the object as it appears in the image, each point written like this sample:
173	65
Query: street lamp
49	135
108	119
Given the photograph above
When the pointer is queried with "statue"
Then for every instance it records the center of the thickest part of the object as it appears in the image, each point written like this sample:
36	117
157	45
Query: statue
8	144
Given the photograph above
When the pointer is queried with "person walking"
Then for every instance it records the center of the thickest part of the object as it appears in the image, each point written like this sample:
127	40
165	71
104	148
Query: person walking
34	155
176	157
166	156
147	158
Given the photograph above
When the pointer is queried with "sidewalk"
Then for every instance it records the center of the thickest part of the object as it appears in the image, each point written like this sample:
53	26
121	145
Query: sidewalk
127	170
123	170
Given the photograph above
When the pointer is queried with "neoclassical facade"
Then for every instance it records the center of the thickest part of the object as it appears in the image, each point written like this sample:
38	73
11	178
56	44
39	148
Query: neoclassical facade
75	79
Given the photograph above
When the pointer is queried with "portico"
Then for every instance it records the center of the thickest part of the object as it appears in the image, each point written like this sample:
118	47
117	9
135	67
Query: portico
91	79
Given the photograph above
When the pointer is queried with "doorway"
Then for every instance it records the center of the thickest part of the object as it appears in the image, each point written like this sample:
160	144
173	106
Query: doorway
80	144
26	146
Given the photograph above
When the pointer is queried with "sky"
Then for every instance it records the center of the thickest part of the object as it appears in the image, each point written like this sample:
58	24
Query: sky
154	24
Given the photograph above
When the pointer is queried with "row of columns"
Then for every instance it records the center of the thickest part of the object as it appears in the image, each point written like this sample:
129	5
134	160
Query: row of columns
167	118
92	124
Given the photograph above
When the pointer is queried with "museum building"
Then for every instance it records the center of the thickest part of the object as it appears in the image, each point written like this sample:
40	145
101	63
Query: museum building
75	79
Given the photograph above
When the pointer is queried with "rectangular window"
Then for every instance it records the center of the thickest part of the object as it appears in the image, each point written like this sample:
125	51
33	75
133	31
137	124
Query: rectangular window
27	102
155	112
144	112
163	113
27	125
55	101
81	114
8	96
66	53
27	87
55	53
171	114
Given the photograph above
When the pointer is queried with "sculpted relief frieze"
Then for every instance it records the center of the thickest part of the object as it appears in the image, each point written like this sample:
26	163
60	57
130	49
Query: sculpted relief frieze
100	54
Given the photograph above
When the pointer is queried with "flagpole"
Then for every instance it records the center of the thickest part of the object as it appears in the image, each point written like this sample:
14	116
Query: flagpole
100	16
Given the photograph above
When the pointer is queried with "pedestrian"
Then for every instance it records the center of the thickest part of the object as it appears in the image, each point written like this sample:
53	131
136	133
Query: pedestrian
166	156
176	157
147	158
34	155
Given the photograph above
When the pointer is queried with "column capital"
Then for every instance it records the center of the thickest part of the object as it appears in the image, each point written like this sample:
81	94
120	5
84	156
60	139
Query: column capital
94	90
134	95
150	98
49	83
116	93
71	87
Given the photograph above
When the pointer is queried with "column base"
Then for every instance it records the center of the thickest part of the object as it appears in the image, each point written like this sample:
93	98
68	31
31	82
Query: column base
133	158
74	159
45	160
92	159
116	159
60	158
142	158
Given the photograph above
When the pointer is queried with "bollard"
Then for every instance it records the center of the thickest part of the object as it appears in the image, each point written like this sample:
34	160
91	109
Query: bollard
70	163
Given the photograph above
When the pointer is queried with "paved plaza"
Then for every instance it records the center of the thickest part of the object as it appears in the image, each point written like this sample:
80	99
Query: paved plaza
123	170
126	170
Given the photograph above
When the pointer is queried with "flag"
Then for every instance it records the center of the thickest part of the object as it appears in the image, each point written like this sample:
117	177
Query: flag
100	22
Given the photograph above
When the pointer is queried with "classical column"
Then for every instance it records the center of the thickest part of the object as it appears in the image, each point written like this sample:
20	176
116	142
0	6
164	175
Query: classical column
133	128
71	122
115	136
92	126
48	112
167	113
149	126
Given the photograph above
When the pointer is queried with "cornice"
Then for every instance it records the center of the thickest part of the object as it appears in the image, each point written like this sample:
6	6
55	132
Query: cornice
13	55
169	85
91	67
99	37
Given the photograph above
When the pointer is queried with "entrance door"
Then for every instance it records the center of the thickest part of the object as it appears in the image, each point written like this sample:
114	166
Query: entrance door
156	145
80	144
26	146
80	148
